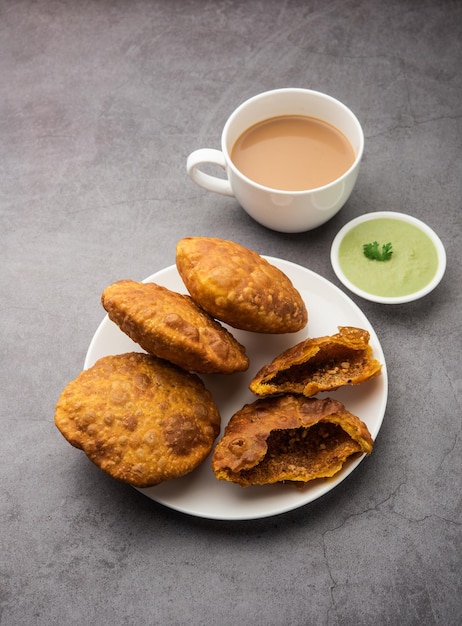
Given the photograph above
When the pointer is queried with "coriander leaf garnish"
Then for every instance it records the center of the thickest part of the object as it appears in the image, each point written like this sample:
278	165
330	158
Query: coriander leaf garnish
371	251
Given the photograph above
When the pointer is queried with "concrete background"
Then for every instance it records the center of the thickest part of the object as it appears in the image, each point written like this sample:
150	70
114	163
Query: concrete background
101	102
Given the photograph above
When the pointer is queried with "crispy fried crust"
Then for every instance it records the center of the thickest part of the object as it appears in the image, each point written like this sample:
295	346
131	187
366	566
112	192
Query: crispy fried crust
239	287
321	364
140	419
288	438
171	326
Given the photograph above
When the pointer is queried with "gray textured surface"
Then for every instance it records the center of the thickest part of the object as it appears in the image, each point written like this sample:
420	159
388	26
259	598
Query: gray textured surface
101	102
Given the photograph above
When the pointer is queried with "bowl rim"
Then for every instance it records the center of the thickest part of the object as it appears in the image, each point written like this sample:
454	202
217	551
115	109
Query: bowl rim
404	217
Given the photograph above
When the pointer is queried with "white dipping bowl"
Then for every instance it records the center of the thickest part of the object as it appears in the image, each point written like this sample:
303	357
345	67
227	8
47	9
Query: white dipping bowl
401	299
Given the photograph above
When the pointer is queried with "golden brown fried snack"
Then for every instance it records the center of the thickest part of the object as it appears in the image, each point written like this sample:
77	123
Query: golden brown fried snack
172	327
321	364
239	287
140	419
288	438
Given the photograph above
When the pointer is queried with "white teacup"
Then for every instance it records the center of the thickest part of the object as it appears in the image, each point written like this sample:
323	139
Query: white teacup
285	211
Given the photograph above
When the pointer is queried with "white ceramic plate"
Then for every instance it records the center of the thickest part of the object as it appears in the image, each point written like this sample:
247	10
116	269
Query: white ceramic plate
200	493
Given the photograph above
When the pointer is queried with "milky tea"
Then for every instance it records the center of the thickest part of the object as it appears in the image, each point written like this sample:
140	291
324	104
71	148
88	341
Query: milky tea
293	153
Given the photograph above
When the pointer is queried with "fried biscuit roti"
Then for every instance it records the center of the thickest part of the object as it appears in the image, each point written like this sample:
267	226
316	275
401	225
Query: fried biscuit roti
239	287
319	364
288	438
171	326
140	419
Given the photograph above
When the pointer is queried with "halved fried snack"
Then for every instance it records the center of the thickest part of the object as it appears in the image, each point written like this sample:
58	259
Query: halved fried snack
239	287
140	419
288	438
320	364
171	326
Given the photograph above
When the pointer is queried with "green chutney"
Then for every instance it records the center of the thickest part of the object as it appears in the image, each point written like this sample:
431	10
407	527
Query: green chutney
412	266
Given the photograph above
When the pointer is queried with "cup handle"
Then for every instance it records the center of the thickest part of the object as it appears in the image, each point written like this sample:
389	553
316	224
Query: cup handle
212	183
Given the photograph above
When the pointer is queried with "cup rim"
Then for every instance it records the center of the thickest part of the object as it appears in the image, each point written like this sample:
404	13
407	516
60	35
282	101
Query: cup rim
300	90
404	217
